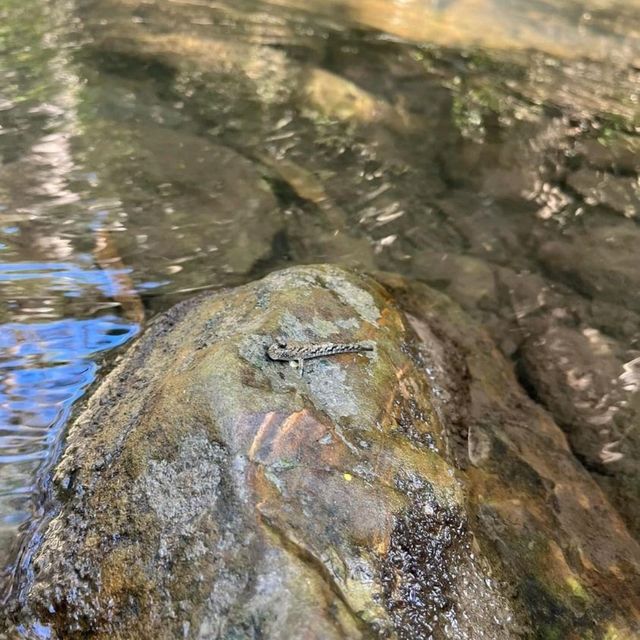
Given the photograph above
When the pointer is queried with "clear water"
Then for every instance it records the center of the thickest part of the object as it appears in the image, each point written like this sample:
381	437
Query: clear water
150	150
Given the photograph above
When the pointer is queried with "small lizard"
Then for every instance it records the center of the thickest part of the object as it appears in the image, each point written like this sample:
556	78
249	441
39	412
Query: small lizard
282	350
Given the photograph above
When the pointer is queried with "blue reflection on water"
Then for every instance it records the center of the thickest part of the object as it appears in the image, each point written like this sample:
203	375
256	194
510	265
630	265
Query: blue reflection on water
68	277
44	369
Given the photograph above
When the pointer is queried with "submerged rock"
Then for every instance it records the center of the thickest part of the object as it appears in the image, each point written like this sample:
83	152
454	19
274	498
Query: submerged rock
188	200
409	492
593	396
601	263
621	194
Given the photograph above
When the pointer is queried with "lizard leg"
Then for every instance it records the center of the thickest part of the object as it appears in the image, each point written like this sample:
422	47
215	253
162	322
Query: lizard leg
301	366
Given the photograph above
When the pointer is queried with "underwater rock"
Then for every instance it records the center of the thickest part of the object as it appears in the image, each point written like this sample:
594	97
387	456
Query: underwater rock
468	280
601	263
592	394
194	201
571	373
413	491
621	194
616	150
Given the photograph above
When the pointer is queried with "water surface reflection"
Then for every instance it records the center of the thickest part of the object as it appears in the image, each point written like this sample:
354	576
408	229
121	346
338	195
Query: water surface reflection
44	368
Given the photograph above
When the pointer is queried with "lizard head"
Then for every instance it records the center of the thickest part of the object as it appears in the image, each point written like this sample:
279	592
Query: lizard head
274	351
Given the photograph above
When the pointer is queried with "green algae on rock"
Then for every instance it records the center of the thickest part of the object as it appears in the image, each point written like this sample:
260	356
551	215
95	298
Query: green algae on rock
409	492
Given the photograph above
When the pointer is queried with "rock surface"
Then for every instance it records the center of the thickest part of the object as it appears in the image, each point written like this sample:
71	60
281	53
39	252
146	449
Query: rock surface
411	492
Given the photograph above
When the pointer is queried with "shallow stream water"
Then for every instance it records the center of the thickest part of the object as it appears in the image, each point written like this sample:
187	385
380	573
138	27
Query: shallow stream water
150	150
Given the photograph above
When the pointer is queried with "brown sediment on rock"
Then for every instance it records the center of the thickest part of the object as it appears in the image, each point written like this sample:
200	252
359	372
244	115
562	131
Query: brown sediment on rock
409	492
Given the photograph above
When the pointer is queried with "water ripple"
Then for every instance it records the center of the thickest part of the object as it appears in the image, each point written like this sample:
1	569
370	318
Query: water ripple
44	368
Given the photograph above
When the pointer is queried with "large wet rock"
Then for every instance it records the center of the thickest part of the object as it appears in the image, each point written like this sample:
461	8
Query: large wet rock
409	492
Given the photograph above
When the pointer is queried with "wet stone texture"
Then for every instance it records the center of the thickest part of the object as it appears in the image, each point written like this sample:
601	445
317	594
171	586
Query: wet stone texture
410	492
